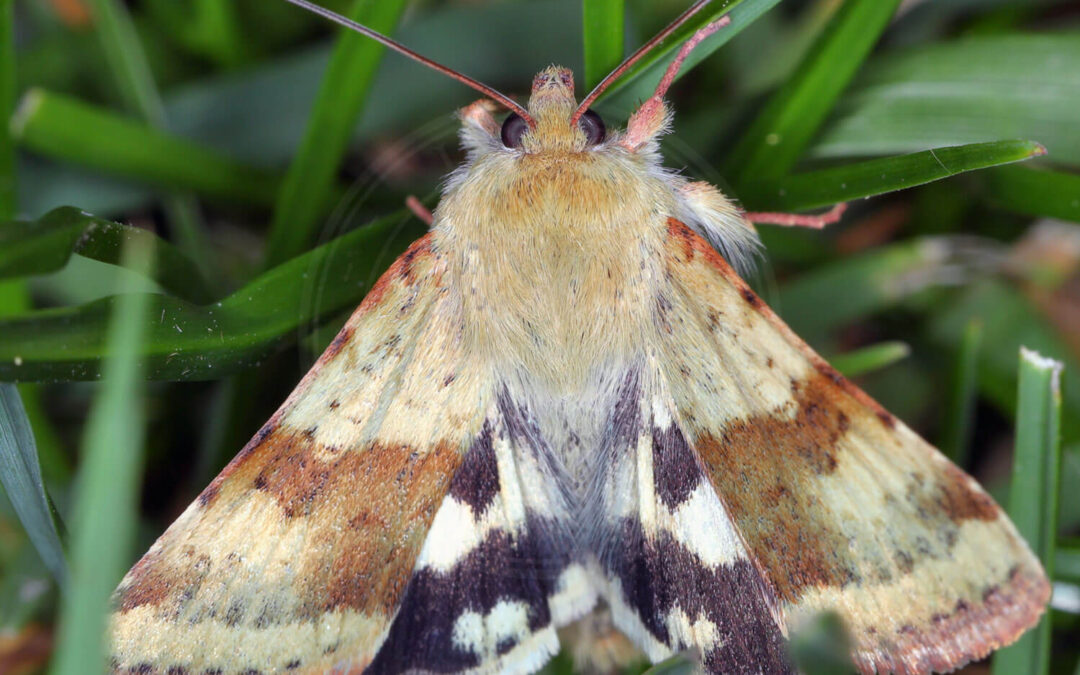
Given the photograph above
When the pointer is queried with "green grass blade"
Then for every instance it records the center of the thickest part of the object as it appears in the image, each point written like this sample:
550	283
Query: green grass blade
1009	321
20	474
70	130
780	132
107	491
124	54
871	358
131	72
309	183
8	94
45	245
638	82
963	391
1033	494
210	28
198	342
815	189
1035	192
1067	560
969	90
602	21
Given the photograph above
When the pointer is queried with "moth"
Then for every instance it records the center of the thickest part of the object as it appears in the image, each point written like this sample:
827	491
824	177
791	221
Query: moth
564	405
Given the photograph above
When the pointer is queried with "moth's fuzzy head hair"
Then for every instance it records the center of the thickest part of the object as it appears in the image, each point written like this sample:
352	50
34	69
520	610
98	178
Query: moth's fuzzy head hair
552	105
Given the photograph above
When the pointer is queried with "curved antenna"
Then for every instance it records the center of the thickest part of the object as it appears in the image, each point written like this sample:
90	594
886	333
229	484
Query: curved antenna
634	58
402	49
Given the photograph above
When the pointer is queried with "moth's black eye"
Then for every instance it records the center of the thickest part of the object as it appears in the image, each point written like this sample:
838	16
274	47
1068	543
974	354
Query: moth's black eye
593	127
513	128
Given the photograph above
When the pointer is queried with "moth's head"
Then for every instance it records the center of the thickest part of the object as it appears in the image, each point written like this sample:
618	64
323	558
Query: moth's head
552	106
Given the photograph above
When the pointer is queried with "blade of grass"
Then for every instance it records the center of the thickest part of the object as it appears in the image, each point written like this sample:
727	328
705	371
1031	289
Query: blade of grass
107	490
210	28
131	72
638	82
871	358
1033	494
345	86
14	294
20	473
193	342
1033	191
70	130
969	90
1009	320
962	394
45	245
8	94
602	22
782	130
815	189
1067	559
125	56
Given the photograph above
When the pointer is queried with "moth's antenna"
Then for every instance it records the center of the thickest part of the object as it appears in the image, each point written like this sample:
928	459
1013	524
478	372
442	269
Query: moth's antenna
402	49
633	58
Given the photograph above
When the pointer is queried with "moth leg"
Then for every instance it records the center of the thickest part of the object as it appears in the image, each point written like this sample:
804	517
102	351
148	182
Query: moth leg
419	210
653	117
815	222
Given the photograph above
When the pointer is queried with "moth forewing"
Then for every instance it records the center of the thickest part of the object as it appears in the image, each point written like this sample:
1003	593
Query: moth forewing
564	399
841	506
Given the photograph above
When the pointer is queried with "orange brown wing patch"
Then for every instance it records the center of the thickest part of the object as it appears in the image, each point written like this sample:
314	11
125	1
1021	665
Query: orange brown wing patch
297	555
841	506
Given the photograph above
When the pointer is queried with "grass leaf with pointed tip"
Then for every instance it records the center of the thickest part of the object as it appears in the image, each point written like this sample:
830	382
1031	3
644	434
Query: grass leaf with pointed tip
45	245
824	187
20	474
185	341
780	132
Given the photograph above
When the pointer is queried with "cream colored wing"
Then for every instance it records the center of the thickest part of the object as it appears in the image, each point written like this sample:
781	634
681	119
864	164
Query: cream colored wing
839	504
296	558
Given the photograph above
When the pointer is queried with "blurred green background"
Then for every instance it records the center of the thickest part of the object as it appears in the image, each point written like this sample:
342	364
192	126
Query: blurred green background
195	194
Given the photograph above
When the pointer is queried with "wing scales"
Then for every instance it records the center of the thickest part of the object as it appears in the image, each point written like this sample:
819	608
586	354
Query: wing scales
498	572
296	557
840	505
671	563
